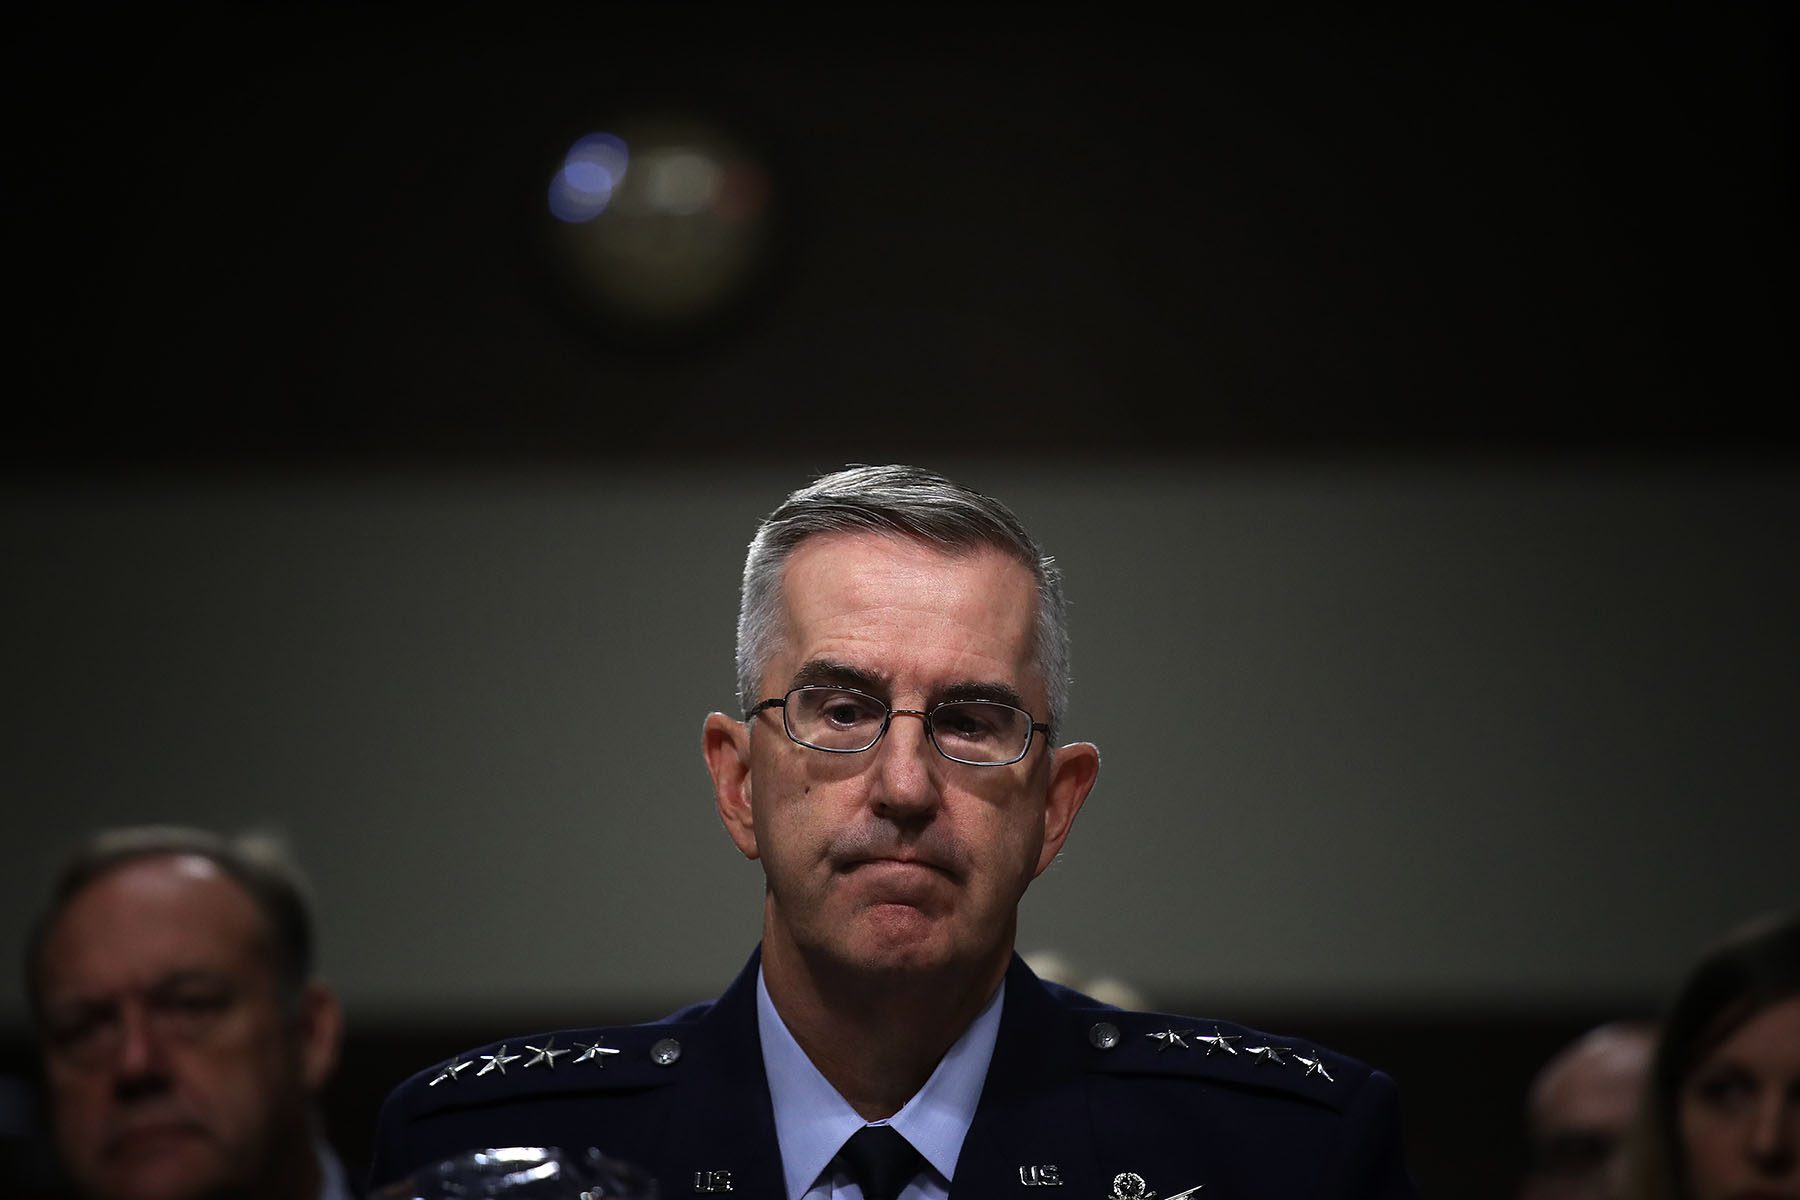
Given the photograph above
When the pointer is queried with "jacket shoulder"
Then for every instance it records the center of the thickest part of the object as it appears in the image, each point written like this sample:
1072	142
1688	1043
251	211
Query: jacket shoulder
1126	1044
600	1059
536	1089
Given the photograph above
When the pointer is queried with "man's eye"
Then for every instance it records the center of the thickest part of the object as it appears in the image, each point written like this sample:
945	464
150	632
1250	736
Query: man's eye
190	1010
70	1031
1725	1090
845	710
967	722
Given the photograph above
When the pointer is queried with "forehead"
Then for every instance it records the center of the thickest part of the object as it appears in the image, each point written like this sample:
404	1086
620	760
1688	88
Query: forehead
1598	1082
1769	1037
147	917
909	611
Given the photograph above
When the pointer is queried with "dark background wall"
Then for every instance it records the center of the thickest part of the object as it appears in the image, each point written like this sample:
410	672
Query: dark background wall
1410	402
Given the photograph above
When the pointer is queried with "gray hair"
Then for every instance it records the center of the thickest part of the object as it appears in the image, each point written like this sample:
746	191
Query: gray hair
914	503
256	862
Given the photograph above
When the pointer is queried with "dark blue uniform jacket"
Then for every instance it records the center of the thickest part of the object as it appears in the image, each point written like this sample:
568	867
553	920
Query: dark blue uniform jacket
1082	1102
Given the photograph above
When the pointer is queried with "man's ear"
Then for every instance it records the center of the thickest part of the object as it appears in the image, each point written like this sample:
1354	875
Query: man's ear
725	743
1073	769
321	1034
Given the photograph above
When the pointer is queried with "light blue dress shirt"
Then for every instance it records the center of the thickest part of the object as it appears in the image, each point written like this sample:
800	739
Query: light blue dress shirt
812	1121
332	1184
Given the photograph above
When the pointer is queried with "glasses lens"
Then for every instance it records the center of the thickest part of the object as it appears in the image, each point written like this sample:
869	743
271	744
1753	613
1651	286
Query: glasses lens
981	731
834	718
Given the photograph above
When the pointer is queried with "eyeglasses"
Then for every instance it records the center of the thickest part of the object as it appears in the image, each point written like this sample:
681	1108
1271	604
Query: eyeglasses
981	733
182	1010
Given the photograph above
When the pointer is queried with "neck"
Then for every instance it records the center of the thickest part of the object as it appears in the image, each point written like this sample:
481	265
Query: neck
293	1174
876	1036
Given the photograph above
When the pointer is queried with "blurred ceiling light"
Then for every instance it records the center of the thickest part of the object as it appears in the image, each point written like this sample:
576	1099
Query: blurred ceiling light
662	221
592	169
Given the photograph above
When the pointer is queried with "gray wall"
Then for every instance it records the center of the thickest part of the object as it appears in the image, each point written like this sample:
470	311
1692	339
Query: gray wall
1374	734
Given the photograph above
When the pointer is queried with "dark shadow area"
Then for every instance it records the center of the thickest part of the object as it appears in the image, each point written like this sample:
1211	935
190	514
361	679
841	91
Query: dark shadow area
238	239
1463	1079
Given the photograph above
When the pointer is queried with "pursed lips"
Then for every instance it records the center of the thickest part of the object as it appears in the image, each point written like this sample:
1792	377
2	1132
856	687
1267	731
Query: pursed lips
895	860
140	1131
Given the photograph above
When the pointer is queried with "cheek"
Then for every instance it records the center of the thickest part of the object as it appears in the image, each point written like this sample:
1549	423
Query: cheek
80	1107
1706	1140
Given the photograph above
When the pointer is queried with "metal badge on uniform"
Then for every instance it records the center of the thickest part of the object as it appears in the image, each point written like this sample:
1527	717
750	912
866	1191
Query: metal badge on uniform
592	1053
545	1054
1128	1185
1219	1041
1314	1066
1273	1054
1042	1175
712	1182
497	1062
1170	1037
450	1071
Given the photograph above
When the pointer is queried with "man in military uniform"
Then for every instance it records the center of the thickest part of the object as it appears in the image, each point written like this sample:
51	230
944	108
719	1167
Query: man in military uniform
902	666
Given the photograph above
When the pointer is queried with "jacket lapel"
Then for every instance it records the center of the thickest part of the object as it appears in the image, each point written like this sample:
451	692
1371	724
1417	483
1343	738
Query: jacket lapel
721	1133
1032	1129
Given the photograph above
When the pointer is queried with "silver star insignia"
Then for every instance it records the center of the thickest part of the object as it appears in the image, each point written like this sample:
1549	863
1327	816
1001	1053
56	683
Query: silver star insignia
496	1062
1170	1037
450	1072
1220	1041
594	1052
1314	1067
1263	1054
545	1054
1193	1191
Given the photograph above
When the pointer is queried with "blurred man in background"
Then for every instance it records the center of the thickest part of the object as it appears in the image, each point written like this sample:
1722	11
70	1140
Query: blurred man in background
1579	1109
184	1037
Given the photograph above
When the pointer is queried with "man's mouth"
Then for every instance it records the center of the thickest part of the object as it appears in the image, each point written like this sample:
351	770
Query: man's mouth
897	864
151	1137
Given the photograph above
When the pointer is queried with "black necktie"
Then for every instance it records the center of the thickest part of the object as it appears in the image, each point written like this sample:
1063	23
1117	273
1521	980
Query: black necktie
880	1160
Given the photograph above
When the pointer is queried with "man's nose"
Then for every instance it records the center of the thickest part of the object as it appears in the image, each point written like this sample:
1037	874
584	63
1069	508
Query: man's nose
906	773
139	1055
1775	1136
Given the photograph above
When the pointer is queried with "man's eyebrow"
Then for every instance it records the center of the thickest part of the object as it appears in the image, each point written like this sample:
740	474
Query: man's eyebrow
824	672
171	981
828	673
190	977
977	689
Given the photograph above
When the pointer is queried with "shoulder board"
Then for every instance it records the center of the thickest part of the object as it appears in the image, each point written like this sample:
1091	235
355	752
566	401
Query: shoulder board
619	1058
1118	1042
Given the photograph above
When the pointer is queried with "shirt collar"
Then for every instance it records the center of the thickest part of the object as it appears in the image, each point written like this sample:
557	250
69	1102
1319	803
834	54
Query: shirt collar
332	1183
812	1121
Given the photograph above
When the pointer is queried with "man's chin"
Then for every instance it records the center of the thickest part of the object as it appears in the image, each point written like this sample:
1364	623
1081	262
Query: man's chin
899	939
164	1164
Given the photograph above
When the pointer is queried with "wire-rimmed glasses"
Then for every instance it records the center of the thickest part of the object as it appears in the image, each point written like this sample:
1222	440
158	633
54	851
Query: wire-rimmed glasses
837	720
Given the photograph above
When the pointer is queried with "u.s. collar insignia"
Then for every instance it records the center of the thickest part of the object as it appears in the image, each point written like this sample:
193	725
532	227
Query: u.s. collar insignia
1170	1037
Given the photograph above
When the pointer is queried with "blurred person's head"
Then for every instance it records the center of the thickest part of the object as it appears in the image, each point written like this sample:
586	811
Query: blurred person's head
183	1033
1721	1119
1580	1108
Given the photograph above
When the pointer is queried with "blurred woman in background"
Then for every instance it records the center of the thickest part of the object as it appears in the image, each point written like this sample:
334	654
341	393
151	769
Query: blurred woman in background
1721	1116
